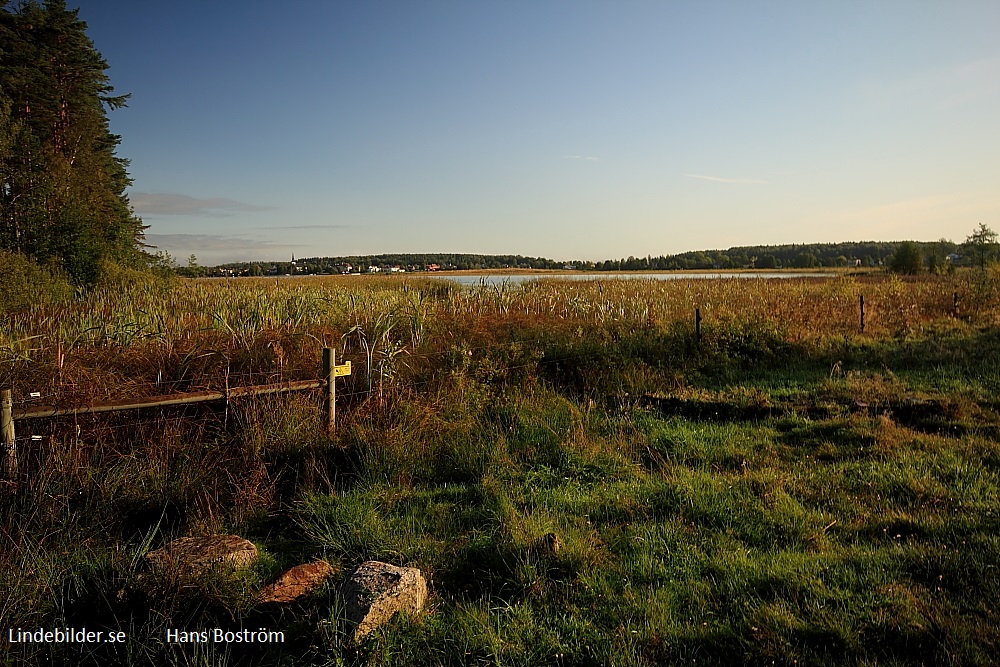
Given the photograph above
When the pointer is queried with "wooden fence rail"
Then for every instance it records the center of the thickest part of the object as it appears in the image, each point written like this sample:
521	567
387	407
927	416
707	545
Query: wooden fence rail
8	415
168	399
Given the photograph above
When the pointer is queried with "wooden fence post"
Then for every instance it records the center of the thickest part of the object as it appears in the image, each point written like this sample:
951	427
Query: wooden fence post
7	431
697	325
862	304
954	303
330	405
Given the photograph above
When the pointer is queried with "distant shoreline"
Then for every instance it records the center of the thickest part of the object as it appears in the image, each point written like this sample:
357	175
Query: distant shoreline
577	272
566	273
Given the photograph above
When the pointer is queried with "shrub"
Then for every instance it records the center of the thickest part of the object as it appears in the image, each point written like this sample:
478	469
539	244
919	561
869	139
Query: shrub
907	258
26	283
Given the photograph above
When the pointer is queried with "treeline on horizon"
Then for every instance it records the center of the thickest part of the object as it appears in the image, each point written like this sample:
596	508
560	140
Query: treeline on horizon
799	256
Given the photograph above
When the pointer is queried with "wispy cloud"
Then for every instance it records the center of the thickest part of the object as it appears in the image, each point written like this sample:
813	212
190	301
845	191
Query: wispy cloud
308	227
170	203
581	157
212	243
907	208
721	179
928	217
947	86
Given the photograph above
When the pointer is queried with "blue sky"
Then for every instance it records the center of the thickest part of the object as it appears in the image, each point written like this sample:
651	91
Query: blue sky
572	130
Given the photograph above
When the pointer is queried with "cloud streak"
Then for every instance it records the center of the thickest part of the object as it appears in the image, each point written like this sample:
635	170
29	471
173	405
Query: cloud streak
944	87
170	203
213	249
721	179
212	243
308	227
581	157
925	218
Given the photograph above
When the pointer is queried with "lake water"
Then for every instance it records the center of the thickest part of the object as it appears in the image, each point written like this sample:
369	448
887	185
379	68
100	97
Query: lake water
498	279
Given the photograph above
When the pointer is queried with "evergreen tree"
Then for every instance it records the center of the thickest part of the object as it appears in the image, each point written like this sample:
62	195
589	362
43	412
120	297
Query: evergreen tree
982	244
907	258
62	196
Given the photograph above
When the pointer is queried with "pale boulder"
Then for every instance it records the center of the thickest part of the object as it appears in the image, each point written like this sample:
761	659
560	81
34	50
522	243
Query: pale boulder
375	592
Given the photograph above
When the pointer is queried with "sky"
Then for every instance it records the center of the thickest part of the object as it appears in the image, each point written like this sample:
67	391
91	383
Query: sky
565	129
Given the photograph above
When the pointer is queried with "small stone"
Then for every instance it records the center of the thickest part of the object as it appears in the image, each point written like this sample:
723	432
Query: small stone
297	582
376	591
546	546
193	556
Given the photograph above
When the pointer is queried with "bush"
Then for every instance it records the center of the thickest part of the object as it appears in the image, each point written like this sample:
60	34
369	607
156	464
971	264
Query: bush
26	283
119	278
907	258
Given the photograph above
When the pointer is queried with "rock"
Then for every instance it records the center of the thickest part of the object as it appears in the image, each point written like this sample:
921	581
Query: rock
546	546
297	582
376	591
188	557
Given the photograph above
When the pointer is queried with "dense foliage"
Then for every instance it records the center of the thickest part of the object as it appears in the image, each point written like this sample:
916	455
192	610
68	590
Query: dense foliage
981	245
907	259
792	255
27	284
62	187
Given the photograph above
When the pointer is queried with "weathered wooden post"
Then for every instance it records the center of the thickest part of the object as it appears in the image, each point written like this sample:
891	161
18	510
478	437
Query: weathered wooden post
7	435
954	305
330	405
862	304
697	325
331	371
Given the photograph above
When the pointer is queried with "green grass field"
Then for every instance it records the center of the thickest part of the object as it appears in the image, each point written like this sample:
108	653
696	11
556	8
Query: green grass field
786	490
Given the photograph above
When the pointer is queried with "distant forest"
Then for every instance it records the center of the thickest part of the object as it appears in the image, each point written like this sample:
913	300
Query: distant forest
799	256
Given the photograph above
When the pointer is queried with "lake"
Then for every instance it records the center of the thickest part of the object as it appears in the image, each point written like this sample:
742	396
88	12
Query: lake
498	279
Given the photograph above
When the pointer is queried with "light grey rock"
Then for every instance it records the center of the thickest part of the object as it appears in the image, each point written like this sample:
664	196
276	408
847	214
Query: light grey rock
376	591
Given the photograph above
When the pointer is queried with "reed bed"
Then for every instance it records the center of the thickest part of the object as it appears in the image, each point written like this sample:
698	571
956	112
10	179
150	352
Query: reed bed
151	333
784	489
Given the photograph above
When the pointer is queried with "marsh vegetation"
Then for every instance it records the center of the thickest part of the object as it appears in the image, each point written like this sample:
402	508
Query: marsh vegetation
785	488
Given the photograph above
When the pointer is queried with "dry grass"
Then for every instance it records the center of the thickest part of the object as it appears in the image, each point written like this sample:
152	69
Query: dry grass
147	336
816	495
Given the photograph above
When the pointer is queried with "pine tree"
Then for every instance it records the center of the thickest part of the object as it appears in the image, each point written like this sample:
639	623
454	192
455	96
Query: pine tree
982	244
63	187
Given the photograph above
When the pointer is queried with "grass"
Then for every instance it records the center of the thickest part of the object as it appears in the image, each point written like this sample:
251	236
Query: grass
784	490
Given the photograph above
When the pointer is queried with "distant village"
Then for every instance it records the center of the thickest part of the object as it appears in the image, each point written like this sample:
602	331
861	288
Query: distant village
377	264
306	268
933	257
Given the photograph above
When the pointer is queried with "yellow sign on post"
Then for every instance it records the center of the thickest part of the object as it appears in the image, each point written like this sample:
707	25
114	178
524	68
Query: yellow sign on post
331	371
